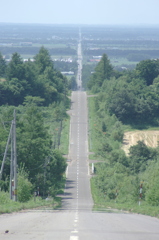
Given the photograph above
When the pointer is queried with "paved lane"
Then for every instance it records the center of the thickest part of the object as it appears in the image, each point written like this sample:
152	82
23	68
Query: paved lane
76	220
77	192
89	225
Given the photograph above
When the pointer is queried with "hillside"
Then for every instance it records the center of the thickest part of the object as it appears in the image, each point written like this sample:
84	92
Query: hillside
150	138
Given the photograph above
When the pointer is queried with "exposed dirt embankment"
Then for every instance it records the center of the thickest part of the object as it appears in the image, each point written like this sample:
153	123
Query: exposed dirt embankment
150	138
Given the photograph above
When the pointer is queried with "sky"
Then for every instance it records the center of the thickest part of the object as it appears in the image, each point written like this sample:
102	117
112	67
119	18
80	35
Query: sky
114	12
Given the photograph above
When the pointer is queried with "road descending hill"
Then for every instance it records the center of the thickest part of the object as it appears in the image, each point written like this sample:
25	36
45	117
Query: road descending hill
76	220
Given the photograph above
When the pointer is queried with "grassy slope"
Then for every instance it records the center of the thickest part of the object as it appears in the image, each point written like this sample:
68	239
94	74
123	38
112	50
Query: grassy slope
9	206
102	204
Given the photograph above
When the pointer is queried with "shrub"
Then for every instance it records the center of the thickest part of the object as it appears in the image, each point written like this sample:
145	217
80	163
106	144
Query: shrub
24	186
4	197
152	195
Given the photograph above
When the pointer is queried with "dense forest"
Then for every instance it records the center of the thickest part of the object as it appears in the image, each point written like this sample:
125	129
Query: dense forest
39	93
124	100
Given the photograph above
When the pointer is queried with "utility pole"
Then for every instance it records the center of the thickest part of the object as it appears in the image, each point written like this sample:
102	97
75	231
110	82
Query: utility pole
5	153
11	164
15	157
13	161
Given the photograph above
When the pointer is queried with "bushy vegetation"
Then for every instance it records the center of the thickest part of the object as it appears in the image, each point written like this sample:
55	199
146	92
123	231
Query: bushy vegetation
127	99
36	79
8	206
39	93
25	188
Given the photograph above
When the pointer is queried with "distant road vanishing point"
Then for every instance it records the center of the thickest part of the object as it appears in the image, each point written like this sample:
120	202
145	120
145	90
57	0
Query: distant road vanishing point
76	220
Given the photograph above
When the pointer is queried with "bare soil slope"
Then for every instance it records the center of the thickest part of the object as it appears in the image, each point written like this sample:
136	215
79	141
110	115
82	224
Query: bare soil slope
150	138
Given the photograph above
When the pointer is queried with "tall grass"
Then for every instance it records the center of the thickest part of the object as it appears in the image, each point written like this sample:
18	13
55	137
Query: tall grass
92	138
101	204
64	141
9	206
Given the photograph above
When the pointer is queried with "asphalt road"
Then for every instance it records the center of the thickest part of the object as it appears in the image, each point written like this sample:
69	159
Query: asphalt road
76	220
77	191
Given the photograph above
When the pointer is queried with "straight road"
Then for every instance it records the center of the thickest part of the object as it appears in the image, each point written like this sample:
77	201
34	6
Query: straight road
76	220
77	192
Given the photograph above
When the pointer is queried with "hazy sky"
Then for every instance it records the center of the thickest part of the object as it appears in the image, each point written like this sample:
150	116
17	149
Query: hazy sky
80	12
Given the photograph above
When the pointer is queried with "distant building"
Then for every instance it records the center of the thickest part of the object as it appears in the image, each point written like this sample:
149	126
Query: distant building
63	60
28	59
68	73
97	57
124	68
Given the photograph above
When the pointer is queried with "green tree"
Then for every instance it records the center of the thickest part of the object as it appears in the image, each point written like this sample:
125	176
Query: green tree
43	60
139	155
148	70
29	100
122	105
15	68
17	92
103	70
2	66
56	166
33	141
30	77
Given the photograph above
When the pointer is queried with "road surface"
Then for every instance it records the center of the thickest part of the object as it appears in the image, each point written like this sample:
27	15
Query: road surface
76	220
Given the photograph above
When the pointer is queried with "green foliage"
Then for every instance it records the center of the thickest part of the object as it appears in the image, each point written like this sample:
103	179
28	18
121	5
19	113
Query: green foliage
118	155
103	71
35	147
126	98
32	133
24	186
35	85
151	182
2	66
87	70
152	195
64	140
15	68
36	79
56	166
111	180
43	60
29	100
148	70
9	206
139	155
4	197
122	105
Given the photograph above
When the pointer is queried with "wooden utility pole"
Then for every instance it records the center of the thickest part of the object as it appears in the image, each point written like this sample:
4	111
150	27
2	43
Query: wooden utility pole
15	157
13	161
11	164
5	153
